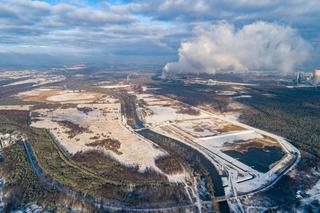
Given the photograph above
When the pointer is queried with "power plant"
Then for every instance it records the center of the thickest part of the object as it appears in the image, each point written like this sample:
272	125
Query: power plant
308	78
317	77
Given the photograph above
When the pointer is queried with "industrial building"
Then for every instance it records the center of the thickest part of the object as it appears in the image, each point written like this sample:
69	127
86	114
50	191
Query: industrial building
317	77
308	78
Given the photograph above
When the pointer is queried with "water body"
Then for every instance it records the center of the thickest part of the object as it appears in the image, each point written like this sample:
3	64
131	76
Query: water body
139	123
259	159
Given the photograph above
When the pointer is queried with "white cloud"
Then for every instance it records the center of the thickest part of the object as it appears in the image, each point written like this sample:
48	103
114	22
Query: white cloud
259	46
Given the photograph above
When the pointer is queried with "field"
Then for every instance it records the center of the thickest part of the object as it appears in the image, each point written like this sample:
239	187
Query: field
79	132
206	127
17	78
95	124
49	95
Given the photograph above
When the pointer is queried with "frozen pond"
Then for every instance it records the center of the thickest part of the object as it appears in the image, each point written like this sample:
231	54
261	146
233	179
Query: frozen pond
259	159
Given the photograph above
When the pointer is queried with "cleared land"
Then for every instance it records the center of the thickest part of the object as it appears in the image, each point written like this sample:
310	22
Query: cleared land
100	129
51	95
17	78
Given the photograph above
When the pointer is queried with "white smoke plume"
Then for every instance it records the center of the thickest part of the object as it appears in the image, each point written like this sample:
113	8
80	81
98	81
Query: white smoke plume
259	46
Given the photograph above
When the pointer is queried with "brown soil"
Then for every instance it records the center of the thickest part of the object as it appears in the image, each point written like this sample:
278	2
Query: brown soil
243	146
230	128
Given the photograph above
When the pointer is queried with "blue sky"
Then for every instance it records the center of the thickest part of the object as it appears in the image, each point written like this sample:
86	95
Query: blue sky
100	31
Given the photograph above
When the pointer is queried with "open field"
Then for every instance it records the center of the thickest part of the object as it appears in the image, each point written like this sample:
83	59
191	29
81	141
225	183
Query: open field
115	86
89	130
199	128
16	78
96	124
16	107
49	95
157	110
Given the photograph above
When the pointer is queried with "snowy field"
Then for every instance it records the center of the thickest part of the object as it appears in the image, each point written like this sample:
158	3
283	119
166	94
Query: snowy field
15	107
93	122
30	77
103	122
116	86
211	133
202	128
12	74
56	95
163	110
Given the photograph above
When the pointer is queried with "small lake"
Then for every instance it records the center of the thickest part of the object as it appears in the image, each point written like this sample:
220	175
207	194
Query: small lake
259	159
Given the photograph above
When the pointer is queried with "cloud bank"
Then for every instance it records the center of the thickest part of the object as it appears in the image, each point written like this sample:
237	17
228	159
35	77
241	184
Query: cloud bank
259	46
99	31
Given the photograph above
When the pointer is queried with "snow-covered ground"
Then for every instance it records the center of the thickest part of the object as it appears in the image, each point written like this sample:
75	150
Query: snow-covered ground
228	138
204	128
243	179
12	74
96	117
15	107
56	95
164	110
31	77
102	122
115	86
